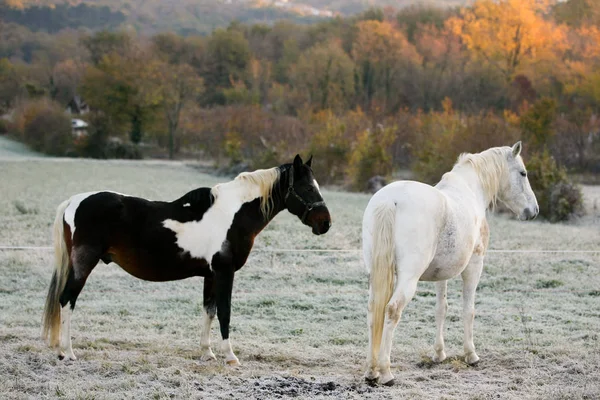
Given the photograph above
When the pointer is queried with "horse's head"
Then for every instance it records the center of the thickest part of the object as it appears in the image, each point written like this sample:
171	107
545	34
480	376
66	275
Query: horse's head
516	191
303	197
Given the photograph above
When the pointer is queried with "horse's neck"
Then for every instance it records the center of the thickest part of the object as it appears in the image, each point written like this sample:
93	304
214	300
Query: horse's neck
464	177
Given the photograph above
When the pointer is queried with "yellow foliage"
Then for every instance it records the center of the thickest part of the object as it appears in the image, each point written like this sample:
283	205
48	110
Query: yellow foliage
380	43
371	155
510	34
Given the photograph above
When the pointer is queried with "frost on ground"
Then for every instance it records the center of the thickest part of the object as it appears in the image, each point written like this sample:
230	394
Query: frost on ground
298	319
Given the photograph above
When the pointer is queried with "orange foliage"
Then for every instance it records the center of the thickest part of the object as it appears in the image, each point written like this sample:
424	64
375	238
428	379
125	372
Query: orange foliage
510	34
380	43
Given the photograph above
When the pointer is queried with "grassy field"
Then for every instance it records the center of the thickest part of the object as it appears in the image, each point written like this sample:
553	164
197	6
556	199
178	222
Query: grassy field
298	319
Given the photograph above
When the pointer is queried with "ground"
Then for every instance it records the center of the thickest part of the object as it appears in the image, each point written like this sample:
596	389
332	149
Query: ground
299	318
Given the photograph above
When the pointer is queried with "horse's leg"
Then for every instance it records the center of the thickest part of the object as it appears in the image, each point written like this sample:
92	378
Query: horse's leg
210	309
372	371
440	315
403	294
224	284
470	277
83	261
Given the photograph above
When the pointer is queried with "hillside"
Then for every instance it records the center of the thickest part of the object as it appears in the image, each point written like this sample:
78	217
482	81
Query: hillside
185	17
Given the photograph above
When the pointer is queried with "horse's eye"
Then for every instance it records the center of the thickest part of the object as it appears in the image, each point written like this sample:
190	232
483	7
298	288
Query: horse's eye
523	173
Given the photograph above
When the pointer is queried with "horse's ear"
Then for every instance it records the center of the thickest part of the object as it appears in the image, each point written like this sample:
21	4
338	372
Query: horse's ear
516	149
309	162
297	162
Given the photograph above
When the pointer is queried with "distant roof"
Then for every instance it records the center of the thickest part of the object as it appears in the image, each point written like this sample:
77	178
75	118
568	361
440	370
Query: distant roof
78	123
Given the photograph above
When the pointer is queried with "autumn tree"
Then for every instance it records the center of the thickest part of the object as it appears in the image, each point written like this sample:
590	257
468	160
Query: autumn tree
105	43
577	12
382	54
509	34
325	76
177	85
10	84
226	61
120	86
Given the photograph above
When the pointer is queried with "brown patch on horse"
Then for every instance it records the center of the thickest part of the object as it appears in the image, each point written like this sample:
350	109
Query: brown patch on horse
484	239
68	236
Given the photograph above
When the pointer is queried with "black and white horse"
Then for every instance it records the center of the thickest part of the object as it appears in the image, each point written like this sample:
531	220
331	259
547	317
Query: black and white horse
208	232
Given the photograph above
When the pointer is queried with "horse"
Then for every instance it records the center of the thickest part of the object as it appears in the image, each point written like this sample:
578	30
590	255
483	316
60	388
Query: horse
208	232
415	232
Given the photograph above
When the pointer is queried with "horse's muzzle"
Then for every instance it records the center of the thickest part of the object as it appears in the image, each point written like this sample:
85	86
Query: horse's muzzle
530	213
320	221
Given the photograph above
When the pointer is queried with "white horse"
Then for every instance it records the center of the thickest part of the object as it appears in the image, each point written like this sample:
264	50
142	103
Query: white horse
413	231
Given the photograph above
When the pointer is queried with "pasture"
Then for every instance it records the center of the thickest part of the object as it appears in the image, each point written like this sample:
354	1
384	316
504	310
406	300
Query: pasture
298	318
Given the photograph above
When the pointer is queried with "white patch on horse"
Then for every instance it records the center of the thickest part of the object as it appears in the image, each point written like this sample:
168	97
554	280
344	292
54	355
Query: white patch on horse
203	239
186	204
317	186
71	209
65	340
230	358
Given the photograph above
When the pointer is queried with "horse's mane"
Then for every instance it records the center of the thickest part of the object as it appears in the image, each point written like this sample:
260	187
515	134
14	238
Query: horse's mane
264	179
492	168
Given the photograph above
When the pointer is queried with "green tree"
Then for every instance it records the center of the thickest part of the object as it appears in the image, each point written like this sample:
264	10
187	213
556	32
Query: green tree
537	123
325	76
178	85
121	87
227	58
105	43
10	84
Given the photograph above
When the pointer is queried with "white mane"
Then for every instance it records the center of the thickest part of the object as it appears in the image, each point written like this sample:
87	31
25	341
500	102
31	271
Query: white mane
491	167
261	180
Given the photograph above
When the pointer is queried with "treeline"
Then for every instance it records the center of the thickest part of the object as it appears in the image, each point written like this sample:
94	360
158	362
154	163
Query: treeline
62	16
185	17
367	95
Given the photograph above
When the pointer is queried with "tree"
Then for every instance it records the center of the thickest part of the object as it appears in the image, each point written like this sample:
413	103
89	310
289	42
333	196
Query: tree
179	84
381	53
509	34
325	76
105	43
227	58
577	12
10	84
121	86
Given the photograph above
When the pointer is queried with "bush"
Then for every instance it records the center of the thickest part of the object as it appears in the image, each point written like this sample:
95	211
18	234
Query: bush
331	149
558	198
46	128
371	156
443	136
118	149
4	126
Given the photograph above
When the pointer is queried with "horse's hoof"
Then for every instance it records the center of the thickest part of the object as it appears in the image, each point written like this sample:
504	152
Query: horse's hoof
208	357
233	363
388	383
438	358
72	357
472	359
371	381
61	357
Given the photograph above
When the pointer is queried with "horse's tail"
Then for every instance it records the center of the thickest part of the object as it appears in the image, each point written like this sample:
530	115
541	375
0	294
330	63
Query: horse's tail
383	265
51	320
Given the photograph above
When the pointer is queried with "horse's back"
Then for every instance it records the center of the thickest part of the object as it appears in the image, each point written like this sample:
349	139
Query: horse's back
418	218
411	199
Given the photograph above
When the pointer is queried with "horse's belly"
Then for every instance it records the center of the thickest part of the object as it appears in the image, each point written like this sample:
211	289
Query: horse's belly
444	268
156	269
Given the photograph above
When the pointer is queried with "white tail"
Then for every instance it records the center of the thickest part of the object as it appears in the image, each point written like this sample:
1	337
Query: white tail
383	265
51	320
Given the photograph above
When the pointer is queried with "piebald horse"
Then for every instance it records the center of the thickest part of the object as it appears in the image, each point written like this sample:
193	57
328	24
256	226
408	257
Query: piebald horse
208	232
412	231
